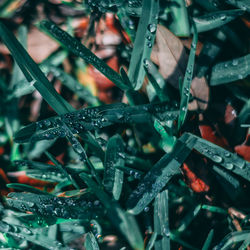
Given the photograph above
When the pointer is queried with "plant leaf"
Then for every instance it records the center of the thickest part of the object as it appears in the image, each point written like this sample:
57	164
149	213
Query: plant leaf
208	241
160	175
90	242
143	47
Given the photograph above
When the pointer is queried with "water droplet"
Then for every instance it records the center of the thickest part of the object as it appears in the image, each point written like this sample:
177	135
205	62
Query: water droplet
227	154
149	45
152	28
223	17
229	166
47	123
146	209
217	158
235	62
149	38
145	61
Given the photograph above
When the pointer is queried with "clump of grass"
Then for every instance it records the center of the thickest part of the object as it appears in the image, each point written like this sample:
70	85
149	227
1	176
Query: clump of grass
143	170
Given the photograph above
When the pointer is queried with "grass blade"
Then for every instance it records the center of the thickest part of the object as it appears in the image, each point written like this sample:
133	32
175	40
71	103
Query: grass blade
185	93
125	222
161	221
113	177
78	49
160	175
90	242
230	71
144	42
215	19
208	241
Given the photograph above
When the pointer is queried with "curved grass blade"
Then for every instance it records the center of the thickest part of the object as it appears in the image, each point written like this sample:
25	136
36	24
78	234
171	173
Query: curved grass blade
151	241
161	221
179	16
232	238
90	242
124	222
113	176
208	241
78	49
229	71
185	93
215	19
160	175
243	4
33	236
224	158
144	42
25	188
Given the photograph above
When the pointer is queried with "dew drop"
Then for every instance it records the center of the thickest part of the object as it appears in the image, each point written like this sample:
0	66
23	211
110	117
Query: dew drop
152	28
217	158
235	62
149	45
146	209
223	17
229	166
227	154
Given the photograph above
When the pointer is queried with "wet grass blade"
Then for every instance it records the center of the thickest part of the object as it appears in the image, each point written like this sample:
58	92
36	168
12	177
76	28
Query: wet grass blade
185	93
156	80
224	158
160	174
232	238
25	188
151	241
161	221
208	241
179	24
33	236
113	176
215	19
243	4
144	42
62	169
78	49
33	73
90	242
123	221
229	71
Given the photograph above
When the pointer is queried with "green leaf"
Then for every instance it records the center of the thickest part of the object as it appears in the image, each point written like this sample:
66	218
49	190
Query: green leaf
33	73
215	19
90	242
151	241
25	188
179	24
123	221
243	4
224	158
113	177
33	236
232	238
161	221
144	42
185	93
160	175
78	49
208	241
229	71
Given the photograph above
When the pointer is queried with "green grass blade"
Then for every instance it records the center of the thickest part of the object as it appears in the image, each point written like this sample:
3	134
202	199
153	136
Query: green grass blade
160	175
185	93
33	73
179	24
125	222
25	188
215	19
243	4
90	242
62	169
208	241
151	241
224	158
161	221
230	71
78	49
113	177
144	42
